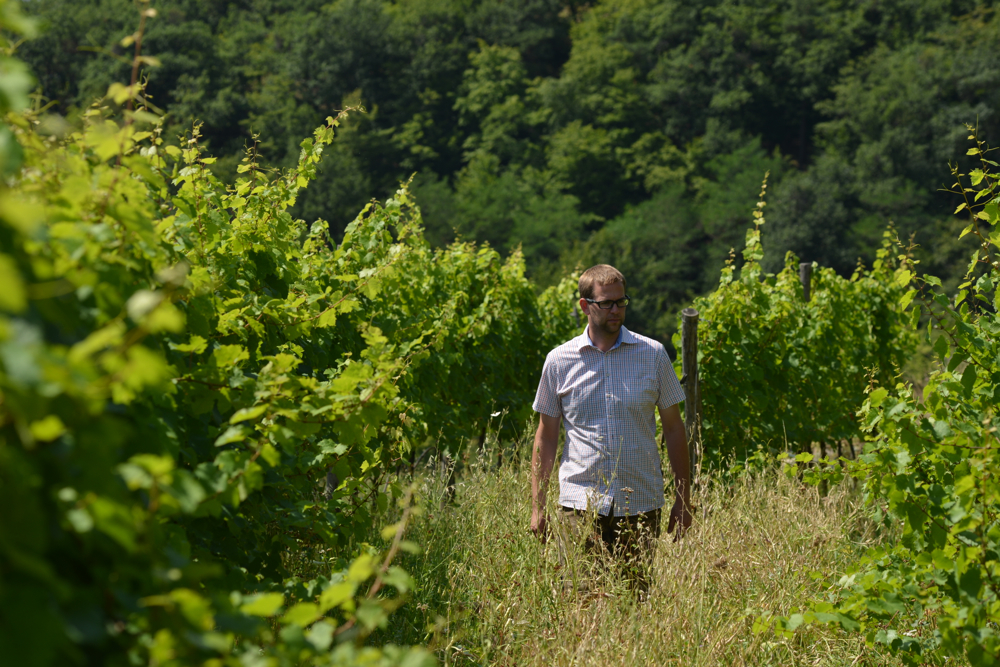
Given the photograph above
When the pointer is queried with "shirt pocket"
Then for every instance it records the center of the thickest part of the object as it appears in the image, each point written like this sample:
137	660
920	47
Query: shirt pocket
582	402
640	395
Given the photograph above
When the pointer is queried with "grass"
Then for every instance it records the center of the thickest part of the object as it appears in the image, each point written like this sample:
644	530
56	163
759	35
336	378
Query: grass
488	593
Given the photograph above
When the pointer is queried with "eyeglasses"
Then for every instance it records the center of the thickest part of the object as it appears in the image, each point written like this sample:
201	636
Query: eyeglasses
606	305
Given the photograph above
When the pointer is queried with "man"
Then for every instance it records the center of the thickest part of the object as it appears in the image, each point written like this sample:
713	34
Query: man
606	384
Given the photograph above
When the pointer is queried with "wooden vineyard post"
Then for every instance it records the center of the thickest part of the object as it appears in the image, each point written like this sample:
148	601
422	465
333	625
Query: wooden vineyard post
805	277
689	371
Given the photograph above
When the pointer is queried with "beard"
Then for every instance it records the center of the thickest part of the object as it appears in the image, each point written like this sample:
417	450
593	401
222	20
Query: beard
611	326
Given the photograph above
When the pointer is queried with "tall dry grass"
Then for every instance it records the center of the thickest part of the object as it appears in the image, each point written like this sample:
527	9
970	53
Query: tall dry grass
488	593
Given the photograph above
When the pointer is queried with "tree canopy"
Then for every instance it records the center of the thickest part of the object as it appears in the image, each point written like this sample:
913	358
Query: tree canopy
627	131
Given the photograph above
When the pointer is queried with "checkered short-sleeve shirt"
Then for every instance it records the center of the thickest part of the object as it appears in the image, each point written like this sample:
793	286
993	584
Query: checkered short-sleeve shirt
607	401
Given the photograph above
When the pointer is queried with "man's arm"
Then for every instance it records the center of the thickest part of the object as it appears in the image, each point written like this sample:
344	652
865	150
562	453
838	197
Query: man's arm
677	450
543	457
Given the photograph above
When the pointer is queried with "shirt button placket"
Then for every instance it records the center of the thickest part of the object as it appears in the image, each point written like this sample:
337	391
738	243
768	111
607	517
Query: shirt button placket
601	438
608	435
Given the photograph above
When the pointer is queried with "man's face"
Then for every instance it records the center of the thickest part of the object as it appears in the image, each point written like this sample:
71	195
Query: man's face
607	321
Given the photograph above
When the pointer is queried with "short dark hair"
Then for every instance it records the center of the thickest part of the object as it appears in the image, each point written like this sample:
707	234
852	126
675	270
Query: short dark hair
599	274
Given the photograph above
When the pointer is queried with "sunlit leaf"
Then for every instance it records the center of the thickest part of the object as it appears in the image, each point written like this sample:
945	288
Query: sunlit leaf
263	604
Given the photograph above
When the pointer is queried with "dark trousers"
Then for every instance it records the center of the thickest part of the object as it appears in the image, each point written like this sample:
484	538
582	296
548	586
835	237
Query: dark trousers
625	542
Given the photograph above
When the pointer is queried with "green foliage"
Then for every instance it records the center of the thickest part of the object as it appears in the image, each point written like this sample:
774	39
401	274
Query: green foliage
930	464
672	246
278	68
546	126
15	82
201	397
781	372
893	121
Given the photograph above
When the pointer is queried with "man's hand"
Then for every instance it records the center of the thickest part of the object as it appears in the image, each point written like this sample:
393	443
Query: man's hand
680	518
539	524
542	459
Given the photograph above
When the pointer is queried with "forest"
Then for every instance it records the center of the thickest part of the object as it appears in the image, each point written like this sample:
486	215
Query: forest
277	281
630	132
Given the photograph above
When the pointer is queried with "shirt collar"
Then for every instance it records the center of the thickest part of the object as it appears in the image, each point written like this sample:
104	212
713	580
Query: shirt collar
625	337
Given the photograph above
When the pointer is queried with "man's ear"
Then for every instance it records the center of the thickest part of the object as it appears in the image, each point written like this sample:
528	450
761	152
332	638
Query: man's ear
584	306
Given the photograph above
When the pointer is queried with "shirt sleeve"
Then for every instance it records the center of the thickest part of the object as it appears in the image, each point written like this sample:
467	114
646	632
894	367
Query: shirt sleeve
671	392
546	398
